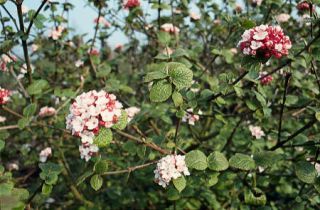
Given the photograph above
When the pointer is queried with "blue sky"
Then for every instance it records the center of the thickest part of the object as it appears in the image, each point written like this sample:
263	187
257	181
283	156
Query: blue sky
82	16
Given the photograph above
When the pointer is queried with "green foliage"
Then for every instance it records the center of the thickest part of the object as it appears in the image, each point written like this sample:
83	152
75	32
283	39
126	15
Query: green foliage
242	162
196	160
305	171
217	161
104	137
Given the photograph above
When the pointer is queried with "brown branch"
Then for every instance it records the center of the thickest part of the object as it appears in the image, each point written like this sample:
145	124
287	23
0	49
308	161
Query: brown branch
129	169
35	16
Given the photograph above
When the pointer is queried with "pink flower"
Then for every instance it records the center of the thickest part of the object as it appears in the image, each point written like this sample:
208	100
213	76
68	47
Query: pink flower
94	52
190	117
256	131
256	2
24	9
265	80
34	47
169	168
56	33
167	51
118	48
47	111
194	16
131	112
282	18
265	41
4	96
78	63
170	28
6	60
88	113
129	4
44	154
304	6
102	22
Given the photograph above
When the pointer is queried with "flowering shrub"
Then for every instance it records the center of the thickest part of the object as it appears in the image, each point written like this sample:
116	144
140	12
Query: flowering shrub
203	105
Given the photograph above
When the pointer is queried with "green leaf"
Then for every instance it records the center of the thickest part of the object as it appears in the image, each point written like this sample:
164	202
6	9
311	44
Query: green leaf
172	194
180	183
46	189
2	144
164	37
217	161
161	74
305	171
181	76
160	91
23	122
318	116
83	177
122	121
101	167
212	179
242	161
196	160
256	197
104	137
6	188
50	179
317	184
177	99
3	1
266	158
50	168
37	87
30	110
96	182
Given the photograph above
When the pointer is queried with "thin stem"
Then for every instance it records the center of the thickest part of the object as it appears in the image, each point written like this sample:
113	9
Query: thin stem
11	17
35	16
176	134
129	169
286	85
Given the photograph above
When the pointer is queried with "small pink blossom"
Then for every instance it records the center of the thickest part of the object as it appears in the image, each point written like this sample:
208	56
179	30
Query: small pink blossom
56	33
44	154
170	167
4	96
265	80
102	21
195	16
282	18
2	119
131	112
170	28
24	9
79	63
47	111
94	52
129	4
34	47
191	118
256	131
118	48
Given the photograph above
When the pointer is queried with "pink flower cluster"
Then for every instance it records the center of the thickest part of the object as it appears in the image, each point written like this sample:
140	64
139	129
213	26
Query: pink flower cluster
6	60
47	111
88	113
265	41
256	131
190	117
44	154
131	112
4	96
170	167
265	80
129	4
102	21
170	28
304	6
56	33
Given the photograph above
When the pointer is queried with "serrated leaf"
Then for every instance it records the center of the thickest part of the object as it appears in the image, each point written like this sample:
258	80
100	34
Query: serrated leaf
160	91
161	74
177	99
46	189
181	76
29	110
196	160
266	158
83	177
96	182
23	122
104	137
37	87
217	161
305	171
101	166
256	197
122	121
180	183
242	161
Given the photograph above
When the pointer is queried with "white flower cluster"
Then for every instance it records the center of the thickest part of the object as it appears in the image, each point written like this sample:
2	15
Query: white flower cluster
190	117
256	131
44	154
88	113
131	112
170	167
47	111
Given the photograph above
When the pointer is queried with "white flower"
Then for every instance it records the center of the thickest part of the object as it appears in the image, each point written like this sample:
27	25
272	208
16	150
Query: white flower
44	154
256	131
255	45
170	28
79	63
195	16
190	117
2	119
34	47
131	112
47	111
170	167
260	35
86	152
282	18
24	9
